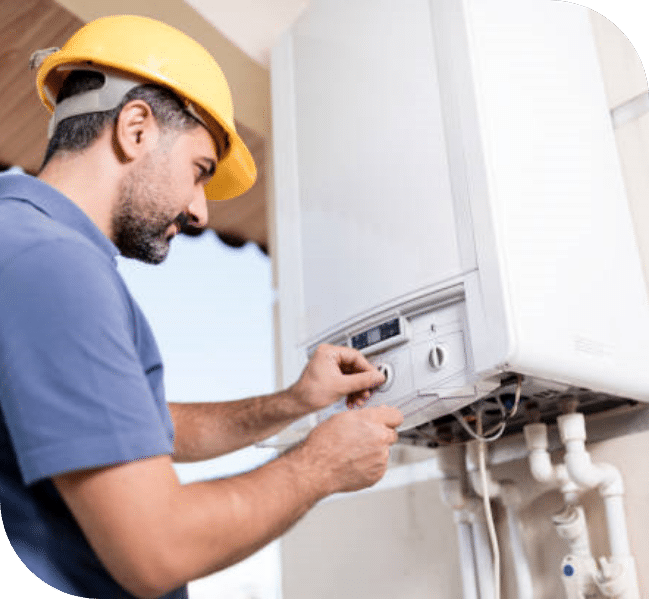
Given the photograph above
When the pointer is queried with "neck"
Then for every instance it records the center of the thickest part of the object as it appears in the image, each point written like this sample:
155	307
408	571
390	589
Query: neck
88	180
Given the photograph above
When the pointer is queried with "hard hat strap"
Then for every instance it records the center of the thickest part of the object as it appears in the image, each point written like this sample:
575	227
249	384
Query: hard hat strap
107	97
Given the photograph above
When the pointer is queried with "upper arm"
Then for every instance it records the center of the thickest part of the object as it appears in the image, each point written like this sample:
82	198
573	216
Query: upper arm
74	391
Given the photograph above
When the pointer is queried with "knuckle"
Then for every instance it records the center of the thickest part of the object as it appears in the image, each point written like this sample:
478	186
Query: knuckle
322	349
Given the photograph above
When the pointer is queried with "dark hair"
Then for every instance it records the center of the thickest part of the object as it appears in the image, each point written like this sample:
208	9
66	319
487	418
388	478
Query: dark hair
77	133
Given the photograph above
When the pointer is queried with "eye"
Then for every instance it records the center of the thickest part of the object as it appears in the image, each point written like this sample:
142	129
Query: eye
202	173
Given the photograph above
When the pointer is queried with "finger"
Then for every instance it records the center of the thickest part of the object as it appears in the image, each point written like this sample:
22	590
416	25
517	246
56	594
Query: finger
394	437
388	415
350	357
391	436
357	400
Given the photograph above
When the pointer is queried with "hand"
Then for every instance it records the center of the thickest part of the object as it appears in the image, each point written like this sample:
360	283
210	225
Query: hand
351	449
332	373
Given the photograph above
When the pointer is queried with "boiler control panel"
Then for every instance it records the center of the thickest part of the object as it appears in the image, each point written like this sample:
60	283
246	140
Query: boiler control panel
423	356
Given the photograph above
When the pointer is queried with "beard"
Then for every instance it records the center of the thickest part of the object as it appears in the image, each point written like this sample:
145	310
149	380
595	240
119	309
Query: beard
140	221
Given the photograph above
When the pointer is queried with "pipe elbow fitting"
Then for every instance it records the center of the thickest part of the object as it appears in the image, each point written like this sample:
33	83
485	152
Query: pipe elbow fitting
541	466
536	440
604	477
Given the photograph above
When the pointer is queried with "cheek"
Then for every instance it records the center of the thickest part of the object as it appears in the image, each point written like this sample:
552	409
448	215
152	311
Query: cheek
179	186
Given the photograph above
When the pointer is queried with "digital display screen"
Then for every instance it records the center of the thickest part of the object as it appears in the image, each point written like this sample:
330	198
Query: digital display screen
384	331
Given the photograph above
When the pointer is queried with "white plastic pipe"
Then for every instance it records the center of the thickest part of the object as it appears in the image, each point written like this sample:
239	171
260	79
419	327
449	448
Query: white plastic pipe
571	526
463	508
604	477
464	529
522	574
541	467
617	577
618	537
484	560
510	498
472	465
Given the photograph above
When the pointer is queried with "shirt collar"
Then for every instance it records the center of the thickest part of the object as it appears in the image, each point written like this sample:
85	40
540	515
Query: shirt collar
55	205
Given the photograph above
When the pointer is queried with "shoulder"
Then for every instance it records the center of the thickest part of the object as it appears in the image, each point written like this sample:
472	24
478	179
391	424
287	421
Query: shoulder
57	255
62	278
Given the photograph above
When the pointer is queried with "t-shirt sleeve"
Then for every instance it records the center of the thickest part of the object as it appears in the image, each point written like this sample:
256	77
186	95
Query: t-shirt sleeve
74	391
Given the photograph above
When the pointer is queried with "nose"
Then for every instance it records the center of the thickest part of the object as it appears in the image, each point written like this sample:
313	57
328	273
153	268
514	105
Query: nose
198	208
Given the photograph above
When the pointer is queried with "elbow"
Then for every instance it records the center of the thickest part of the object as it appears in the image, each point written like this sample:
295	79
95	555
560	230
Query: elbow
147	589
143	586
148	575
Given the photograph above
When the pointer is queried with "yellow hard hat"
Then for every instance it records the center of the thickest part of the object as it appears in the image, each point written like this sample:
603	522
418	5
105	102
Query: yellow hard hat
158	53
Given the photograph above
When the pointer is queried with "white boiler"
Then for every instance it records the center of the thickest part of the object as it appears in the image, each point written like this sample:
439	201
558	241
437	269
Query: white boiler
448	199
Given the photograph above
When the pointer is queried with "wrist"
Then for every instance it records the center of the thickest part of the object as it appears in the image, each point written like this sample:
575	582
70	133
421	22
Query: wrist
296	401
310	469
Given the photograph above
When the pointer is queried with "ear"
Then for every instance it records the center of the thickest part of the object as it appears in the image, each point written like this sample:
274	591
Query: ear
136	131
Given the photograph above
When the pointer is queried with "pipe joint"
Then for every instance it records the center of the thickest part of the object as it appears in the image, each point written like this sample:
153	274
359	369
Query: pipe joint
541	467
616	578
603	477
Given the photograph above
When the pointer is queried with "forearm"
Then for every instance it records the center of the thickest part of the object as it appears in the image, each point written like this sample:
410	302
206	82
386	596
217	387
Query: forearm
226	521
157	540
207	430
153	534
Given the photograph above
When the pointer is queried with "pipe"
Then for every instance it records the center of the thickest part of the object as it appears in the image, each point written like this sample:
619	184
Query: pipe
467	557
510	498
578	568
493	487
484	560
522	574
454	497
617	575
604	477
541	467
571	526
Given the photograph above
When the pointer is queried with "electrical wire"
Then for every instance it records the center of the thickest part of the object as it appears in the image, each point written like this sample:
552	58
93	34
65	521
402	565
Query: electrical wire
483	439
477	436
491	527
517	397
496	431
493	433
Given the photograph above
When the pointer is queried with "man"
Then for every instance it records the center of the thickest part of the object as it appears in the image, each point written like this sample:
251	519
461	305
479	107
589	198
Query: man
90	501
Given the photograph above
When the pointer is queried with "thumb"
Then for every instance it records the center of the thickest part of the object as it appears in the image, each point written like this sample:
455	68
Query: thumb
387	415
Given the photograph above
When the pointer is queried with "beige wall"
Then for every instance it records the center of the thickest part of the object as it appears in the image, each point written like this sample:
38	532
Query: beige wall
401	543
396	544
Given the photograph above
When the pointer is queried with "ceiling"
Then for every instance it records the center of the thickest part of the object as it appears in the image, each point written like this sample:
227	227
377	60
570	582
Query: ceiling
26	25
252	28
252	25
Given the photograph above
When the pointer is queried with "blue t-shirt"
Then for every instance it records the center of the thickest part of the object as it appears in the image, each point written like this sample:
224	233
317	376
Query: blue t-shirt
80	378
